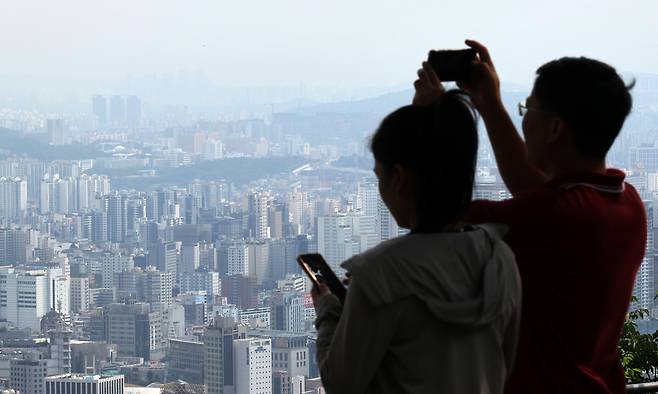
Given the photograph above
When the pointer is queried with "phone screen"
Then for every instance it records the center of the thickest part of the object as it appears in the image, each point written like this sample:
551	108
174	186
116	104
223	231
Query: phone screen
319	271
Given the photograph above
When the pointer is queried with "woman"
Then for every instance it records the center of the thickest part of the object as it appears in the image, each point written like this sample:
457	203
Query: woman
437	310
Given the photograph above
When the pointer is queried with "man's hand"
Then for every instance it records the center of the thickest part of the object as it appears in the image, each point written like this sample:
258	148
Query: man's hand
483	85
428	86
318	292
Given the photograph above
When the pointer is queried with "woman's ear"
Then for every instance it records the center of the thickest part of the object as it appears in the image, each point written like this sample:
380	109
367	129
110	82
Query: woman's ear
399	179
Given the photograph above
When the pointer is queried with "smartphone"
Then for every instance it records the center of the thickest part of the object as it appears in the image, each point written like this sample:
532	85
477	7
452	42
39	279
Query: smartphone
452	65
317	269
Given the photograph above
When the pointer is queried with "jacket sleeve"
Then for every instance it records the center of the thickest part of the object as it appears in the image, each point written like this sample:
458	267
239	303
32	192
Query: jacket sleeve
351	345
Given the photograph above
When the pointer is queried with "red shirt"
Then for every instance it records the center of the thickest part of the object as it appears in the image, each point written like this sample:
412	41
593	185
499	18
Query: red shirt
579	241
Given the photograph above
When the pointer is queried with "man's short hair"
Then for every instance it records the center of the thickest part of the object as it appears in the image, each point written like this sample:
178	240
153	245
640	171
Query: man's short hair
589	96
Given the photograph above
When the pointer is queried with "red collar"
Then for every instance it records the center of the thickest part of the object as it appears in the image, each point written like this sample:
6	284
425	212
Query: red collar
610	182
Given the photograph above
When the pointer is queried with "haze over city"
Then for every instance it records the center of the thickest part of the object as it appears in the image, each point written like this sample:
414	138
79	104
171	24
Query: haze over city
164	163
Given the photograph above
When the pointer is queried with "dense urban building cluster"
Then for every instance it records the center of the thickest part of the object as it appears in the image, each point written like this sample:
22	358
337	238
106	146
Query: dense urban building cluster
110	273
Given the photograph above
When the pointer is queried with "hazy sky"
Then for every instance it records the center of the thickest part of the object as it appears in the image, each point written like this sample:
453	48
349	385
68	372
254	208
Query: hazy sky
318	43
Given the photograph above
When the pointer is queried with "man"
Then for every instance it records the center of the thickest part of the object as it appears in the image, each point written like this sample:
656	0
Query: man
577	229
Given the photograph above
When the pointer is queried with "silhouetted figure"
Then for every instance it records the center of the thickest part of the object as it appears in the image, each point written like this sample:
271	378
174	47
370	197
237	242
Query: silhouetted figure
577	229
437	310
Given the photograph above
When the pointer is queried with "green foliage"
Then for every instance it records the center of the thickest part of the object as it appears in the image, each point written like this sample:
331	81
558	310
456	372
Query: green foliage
639	352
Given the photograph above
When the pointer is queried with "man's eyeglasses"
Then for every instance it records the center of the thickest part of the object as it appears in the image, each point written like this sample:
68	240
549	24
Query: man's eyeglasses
523	108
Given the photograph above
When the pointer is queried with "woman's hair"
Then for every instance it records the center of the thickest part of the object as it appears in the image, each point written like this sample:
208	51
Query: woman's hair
437	145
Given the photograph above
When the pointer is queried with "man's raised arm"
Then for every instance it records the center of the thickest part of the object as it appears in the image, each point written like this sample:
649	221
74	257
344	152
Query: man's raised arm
484	89
509	148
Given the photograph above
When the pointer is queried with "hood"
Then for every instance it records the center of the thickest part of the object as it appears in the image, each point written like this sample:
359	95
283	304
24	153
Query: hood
467	278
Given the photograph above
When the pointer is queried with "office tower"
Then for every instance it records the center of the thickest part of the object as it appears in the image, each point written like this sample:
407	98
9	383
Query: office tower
116	207
134	329
238	259
117	111
13	245
13	199
643	158
252	366
87	356
80	297
218	352
191	206
277	220
200	281
101	296
190	258
290	353
258	209
240	290
288	311
56	131
153	207
59	290
164	257
59	337
195	304
148	234
259	261
146	285
113	263
186	361
24	297
81	384
133	111
27	375
99	107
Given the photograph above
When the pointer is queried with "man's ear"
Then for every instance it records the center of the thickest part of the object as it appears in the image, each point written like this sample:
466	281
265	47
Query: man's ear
559	130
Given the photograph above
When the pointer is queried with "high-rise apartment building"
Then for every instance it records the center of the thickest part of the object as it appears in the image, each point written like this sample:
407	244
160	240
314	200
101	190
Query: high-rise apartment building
13	199
56	131
117	111
116	207
238	259
133	111
80	295
99	107
258	215
645	287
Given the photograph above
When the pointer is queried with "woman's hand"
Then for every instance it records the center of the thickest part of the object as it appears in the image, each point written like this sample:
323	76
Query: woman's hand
428	86
317	292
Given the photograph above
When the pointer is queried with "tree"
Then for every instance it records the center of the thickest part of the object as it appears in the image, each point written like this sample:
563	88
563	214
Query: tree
639	352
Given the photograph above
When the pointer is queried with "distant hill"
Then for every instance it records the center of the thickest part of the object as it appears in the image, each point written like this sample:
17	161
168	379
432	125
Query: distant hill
16	143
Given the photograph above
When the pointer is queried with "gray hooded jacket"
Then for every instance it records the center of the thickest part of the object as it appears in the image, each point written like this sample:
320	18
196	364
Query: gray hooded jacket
425	313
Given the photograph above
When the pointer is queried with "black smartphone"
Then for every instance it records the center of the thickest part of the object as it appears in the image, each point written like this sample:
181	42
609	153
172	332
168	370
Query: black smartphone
452	65
319	271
